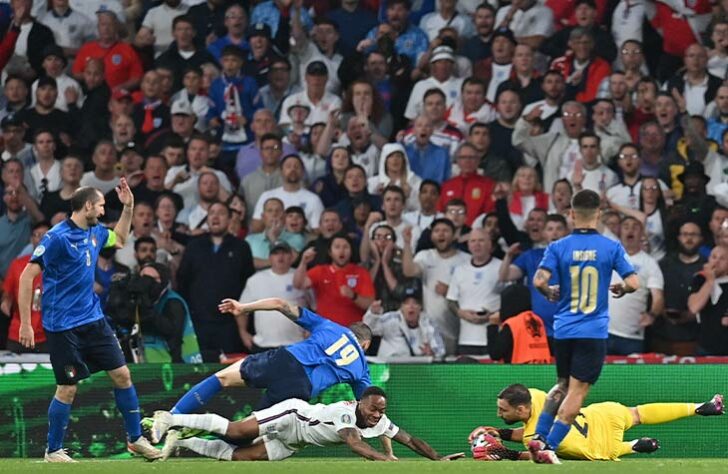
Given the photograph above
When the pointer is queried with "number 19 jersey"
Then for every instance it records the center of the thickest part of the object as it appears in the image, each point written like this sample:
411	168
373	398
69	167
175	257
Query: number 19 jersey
330	355
582	264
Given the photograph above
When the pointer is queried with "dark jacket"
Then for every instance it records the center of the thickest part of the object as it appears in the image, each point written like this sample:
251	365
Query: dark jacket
174	61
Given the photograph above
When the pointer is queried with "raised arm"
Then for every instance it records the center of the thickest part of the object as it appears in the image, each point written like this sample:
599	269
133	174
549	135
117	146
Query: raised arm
300	276
288	309
124	224
351	437
421	447
409	267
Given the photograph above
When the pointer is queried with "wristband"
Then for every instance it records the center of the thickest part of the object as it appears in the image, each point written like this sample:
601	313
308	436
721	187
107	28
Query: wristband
506	434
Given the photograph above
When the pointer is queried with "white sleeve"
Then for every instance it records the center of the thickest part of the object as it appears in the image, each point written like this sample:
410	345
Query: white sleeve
343	415
248	294
413	107
391	430
224	181
317	208
655	279
148	21
544	24
258	211
453	290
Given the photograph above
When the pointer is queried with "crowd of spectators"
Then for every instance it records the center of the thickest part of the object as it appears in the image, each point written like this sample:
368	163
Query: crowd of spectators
401	163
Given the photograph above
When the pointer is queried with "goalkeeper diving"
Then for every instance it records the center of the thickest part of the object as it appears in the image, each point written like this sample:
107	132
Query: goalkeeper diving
596	434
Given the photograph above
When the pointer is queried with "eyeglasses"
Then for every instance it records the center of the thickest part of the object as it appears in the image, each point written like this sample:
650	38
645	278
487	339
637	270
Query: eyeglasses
651	188
271	148
630	156
571	114
690	234
468	157
627	52
456	212
383	237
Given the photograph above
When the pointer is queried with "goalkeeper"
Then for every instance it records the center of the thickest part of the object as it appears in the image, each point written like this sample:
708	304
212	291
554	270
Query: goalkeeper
596	434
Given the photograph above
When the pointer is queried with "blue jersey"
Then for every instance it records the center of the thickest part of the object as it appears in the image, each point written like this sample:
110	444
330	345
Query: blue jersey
68	256
330	355
583	263
528	262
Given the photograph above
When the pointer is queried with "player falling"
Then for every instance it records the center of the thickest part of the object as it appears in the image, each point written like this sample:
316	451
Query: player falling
280	431
596	434
582	263
331	354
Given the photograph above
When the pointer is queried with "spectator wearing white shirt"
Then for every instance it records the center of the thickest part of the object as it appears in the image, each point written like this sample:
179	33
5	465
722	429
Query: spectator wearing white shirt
46	172
530	21
272	329
314	95
156	27
54	64
291	193
103	177
474	293
89	8
428	195
195	218
631	314
627	191
70	28
182	179
446	15
627	21
436	268
407	332
589	171
442	68
320	47
471	107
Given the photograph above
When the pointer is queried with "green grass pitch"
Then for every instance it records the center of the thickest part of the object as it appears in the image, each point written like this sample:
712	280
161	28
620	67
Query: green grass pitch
339	466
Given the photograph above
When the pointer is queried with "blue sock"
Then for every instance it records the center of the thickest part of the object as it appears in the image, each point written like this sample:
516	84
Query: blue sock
58	415
128	405
558	433
545	422
198	396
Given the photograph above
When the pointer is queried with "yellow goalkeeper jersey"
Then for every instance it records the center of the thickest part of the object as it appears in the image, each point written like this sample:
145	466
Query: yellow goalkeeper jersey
596	434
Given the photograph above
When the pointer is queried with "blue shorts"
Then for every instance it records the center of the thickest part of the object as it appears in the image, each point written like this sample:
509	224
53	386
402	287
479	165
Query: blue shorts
280	373
582	359
79	352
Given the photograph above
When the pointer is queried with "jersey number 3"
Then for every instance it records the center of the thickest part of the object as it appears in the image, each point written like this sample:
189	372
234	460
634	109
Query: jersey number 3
584	284
344	349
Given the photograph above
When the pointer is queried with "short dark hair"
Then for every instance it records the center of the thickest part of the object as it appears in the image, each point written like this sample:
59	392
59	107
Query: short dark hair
40	224
430	182
340	235
321	20
474	81
232	50
82	195
486	6
478	125
585	203
271	136
444	221
589	134
516	394
391	188
456	202
362	332
434	91
144	240
557	218
355	166
183	19
373	390
405	3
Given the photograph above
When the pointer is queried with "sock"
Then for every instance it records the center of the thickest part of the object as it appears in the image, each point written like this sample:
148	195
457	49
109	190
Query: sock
58	415
557	434
656	413
198	396
545	422
625	448
212	448
128	405
210	422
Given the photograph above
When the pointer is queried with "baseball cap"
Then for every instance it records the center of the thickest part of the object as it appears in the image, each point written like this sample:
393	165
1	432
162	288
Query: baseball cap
412	291
182	107
47	81
442	52
505	33
11	120
54	50
103	8
280	245
317	68
259	29
120	94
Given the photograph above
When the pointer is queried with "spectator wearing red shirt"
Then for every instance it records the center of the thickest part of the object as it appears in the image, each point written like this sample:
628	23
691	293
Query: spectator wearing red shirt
343	289
469	186
10	298
581	68
122	66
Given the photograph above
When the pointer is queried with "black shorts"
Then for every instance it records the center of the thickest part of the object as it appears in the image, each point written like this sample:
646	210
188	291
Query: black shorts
277	371
79	352
580	358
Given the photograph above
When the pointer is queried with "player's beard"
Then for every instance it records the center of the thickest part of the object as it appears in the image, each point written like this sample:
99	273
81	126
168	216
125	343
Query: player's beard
686	251
91	220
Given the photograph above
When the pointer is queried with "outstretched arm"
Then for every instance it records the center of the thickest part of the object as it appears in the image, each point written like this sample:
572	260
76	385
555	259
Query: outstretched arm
288	309
351	437
421	447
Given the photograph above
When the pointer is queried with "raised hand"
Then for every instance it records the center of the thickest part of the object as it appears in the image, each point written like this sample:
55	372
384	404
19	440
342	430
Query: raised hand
124	192
308	255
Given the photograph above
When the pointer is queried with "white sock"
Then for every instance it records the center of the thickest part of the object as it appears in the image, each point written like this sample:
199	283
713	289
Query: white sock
210	422
211	448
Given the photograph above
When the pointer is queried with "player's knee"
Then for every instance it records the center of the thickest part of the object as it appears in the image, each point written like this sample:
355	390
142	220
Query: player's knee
230	377
66	393
121	377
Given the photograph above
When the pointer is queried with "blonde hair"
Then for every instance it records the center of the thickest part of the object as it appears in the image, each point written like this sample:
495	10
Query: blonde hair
537	188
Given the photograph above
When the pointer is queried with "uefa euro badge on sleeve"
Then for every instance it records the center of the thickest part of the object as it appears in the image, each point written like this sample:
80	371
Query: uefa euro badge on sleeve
39	250
346	419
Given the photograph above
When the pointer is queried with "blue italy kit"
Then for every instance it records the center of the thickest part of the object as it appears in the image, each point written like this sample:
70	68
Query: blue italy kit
528	262
582	263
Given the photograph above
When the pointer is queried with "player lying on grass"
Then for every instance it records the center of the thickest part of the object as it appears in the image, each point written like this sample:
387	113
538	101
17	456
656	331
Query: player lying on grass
332	354
280	431
596	434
